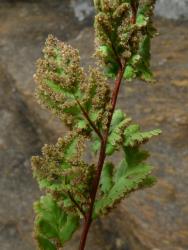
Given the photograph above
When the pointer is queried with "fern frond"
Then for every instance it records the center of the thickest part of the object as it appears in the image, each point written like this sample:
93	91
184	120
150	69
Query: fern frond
75	188
133	136
125	185
131	174
123	133
53	227
61	171
63	86
119	36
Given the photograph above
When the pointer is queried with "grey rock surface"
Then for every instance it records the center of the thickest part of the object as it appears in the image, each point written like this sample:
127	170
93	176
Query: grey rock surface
19	139
172	9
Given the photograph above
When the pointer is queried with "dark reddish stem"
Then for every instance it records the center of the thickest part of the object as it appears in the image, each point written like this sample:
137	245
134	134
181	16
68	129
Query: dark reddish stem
104	139
97	131
134	7
77	205
102	156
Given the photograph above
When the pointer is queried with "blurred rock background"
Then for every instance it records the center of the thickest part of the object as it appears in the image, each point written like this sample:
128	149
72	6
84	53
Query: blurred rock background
174	9
154	219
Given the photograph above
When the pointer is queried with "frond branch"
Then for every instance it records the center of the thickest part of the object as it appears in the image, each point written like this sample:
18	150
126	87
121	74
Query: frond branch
89	120
76	204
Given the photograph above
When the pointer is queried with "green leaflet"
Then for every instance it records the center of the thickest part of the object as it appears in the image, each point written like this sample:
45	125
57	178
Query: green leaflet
70	148
139	64
111	70
95	145
132	173
97	4
121	170
118	117
146	8
144	49
52	224
129	73
44	243
116	136
141	20
107	53
51	185
122	132
69	228
144	66
134	156
126	178
133	135
128	182
106	181
116	133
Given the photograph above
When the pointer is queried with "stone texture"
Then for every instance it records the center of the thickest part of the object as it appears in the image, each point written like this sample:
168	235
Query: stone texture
148	220
18	141
173	9
24	28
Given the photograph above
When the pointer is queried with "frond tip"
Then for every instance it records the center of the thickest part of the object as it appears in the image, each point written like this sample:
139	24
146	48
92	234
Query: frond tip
123	33
78	99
